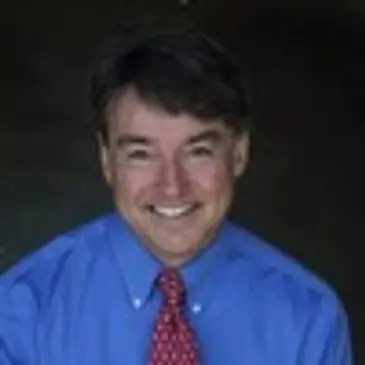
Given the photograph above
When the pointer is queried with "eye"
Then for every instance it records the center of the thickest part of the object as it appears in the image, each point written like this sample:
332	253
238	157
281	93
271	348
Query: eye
139	155
201	151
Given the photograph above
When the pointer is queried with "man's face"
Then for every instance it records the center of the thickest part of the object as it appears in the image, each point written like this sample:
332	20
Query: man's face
172	176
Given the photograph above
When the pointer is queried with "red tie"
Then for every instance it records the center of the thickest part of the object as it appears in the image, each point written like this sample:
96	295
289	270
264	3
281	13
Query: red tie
173	340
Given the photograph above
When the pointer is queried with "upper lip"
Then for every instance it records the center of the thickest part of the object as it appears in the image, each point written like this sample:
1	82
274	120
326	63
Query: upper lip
172	206
173	209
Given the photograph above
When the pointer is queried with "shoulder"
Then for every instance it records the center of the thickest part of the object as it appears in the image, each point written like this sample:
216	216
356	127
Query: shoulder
280	277
289	298
28	289
38	271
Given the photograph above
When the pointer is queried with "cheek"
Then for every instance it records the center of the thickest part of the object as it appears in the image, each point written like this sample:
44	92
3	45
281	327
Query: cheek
213	179
132	182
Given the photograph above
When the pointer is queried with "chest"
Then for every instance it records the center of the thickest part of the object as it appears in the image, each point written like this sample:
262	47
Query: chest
107	330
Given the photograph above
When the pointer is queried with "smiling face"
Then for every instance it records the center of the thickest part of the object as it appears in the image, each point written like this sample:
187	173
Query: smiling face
172	176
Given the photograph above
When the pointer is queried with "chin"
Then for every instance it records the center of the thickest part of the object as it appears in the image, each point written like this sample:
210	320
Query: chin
176	256
181	243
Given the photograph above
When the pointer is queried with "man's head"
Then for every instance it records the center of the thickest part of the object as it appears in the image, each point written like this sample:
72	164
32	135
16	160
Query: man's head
170	110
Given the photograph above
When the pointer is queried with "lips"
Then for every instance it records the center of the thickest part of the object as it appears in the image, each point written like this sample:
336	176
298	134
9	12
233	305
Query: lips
173	212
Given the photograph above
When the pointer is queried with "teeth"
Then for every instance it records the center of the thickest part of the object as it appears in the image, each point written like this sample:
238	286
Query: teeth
173	212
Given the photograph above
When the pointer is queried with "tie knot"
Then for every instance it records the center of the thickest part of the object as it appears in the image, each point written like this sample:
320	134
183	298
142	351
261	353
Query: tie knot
170	282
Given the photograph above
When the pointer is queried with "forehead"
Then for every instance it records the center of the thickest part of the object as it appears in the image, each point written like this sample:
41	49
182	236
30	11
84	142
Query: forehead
132	116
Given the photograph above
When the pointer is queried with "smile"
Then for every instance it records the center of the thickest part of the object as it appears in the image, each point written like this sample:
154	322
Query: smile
174	212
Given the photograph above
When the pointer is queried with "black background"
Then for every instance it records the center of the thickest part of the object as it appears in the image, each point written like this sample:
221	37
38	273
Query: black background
305	69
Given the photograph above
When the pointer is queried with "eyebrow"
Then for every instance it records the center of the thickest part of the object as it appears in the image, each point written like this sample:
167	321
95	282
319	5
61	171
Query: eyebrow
129	139
211	135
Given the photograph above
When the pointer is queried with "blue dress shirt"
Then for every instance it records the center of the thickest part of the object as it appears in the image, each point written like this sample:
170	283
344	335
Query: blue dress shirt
87	298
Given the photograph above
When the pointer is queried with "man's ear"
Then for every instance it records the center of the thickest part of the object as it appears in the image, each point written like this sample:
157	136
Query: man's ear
241	154
104	158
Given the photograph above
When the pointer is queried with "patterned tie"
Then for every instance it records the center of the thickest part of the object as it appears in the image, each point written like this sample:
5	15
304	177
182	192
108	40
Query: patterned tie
173	340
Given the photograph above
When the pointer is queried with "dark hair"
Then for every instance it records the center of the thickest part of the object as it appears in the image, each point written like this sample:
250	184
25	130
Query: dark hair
178	70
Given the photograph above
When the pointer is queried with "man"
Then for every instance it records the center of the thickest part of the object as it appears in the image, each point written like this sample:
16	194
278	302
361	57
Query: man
166	279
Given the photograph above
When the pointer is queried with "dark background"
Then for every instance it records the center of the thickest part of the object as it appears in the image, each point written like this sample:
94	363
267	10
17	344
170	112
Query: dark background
306	72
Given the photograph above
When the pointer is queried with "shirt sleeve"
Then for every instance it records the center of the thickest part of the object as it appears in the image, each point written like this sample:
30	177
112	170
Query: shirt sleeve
17	311
328	339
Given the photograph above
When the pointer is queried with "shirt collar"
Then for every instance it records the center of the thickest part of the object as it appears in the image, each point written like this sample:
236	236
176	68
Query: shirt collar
207	261
139	267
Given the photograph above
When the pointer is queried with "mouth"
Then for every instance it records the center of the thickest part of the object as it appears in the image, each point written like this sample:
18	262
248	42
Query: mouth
173	212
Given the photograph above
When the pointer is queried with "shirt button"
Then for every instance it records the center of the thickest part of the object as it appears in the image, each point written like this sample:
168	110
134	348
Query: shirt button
197	308
137	303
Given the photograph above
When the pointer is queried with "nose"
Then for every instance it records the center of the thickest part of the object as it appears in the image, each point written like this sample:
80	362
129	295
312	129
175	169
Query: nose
173	179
